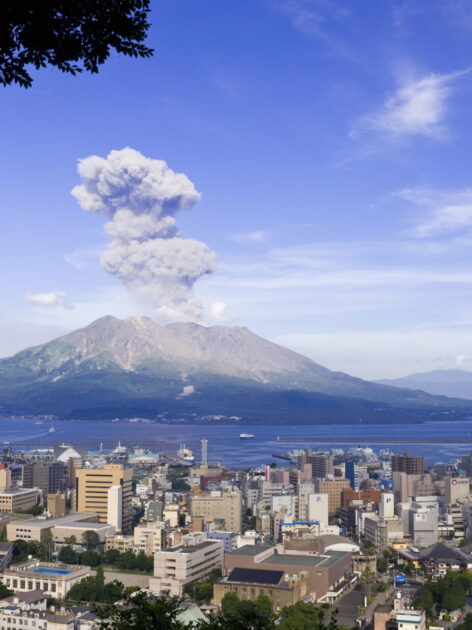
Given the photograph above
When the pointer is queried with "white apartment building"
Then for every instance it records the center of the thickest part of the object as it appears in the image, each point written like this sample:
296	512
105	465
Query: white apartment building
150	538
191	561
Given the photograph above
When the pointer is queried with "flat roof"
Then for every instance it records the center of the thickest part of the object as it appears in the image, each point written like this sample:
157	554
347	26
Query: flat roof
326	560
84	525
53	522
250	550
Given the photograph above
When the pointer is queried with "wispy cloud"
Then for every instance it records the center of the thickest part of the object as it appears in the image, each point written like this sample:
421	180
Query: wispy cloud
53	299
258	236
320	19
417	108
444	212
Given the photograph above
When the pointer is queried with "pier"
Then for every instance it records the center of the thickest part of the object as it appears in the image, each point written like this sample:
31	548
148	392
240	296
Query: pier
368	441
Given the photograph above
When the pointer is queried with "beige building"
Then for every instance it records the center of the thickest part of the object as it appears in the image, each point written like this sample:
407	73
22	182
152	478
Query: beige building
61	533
457	488
57	505
119	542
5	477
150	538
171	513
39	528
108	492
222	505
54	579
333	488
193	560
18	499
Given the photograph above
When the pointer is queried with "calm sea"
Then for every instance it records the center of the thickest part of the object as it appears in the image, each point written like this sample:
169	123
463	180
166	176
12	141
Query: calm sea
225	446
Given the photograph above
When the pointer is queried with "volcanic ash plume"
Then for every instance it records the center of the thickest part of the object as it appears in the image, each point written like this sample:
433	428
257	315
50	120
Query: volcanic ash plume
141	197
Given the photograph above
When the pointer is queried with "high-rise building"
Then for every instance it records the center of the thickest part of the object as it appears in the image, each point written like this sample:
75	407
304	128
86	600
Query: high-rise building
321	465
318	509
350	473
456	488
204	451
333	488
48	476
225	505
108	492
5	477
408	464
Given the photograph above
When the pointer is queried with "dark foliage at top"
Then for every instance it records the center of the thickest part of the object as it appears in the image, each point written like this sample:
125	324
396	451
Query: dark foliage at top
71	36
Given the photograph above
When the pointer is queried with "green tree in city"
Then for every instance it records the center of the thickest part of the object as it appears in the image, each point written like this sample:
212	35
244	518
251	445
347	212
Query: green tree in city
90	539
4	591
67	555
425	600
111	556
305	616
229	604
466	623
90	558
454	597
382	565
70	540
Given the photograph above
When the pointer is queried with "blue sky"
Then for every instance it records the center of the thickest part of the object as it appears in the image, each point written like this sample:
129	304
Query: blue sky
331	144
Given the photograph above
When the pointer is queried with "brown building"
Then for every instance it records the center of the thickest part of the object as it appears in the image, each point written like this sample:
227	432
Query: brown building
408	464
326	572
367	496
281	588
321	465
333	488
48	476
57	504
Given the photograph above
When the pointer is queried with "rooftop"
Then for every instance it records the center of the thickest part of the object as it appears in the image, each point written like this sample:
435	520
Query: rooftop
326	560
54	522
255	576
250	550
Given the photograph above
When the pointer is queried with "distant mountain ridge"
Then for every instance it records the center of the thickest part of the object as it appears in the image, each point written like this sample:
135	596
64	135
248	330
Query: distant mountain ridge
116	367
454	383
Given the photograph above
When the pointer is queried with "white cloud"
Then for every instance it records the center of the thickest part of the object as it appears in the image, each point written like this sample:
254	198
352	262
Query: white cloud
217	311
53	299
447	211
385	353
258	236
418	108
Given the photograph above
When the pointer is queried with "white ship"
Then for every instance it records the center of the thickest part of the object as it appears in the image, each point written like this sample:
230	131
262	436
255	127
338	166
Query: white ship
51	430
185	453
246	436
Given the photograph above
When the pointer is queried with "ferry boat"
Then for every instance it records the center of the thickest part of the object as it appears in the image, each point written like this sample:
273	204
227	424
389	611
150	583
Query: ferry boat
246	436
185	453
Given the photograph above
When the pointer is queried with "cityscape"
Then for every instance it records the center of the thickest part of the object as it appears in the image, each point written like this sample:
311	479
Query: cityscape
235	315
355	530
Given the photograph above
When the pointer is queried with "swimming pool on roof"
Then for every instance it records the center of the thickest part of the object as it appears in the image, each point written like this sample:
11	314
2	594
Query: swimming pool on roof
51	571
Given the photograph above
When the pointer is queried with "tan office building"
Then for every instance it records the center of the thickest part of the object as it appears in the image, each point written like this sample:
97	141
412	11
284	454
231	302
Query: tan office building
18	499
225	505
108	492
333	488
